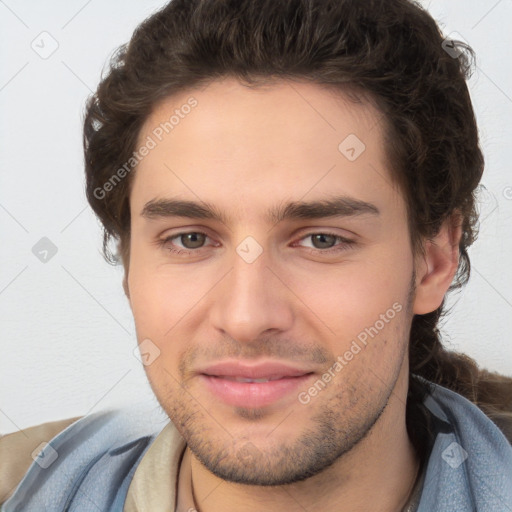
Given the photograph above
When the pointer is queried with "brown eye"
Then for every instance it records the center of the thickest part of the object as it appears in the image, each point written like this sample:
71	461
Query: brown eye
192	240
187	243
323	240
326	243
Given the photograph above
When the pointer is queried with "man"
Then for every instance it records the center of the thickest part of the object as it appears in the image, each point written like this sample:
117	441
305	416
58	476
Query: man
290	184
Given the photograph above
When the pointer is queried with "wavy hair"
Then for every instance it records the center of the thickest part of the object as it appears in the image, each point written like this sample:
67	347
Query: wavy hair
389	52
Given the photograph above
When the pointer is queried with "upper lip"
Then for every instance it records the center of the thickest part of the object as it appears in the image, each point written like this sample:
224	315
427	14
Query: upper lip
262	370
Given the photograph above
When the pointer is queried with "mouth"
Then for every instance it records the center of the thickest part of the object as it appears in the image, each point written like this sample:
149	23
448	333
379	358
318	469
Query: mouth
242	385
245	379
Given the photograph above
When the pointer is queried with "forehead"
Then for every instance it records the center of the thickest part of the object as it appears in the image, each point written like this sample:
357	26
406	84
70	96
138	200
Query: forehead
239	146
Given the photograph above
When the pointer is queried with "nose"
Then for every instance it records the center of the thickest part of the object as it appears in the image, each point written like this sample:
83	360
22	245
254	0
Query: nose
252	300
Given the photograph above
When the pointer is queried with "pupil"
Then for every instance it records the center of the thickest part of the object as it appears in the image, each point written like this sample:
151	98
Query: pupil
192	237
322	237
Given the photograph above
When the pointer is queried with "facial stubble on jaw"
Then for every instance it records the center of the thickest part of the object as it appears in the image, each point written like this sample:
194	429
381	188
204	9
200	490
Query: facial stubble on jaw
326	438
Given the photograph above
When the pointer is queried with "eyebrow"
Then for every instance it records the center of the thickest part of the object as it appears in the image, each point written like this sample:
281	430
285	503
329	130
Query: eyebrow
339	206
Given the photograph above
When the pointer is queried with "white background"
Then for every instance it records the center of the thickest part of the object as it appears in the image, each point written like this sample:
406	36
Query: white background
67	334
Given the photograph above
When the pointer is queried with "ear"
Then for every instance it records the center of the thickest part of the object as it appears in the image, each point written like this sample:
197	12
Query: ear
122	246
436	269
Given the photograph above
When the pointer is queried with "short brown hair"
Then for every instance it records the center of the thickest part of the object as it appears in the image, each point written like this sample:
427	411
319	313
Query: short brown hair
390	51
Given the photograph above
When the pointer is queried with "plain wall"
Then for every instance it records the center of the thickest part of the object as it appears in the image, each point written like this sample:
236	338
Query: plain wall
67	334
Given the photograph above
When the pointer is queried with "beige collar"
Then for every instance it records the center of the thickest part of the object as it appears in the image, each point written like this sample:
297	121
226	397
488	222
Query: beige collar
151	487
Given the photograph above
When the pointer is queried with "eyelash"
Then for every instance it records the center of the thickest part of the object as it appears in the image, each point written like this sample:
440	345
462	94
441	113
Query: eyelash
345	245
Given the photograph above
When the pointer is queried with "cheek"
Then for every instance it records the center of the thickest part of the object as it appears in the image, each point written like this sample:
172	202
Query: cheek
155	303
165	299
153	298
157	307
352	296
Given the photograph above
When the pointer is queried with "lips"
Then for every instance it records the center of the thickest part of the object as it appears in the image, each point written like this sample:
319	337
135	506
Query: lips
246	379
269	370
243	384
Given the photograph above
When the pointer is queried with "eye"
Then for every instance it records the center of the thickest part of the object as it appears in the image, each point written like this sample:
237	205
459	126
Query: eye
192	241
324	243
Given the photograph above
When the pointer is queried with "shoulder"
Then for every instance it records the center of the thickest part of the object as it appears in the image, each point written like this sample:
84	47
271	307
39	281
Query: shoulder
471	418
17	452
93	458
470	462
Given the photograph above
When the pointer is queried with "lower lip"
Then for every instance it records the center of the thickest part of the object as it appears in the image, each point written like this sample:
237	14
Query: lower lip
253	394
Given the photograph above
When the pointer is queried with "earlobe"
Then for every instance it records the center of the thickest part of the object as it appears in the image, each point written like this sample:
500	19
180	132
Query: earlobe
125	287
440	263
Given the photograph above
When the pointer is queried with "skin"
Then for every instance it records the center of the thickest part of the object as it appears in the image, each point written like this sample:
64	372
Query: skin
245	150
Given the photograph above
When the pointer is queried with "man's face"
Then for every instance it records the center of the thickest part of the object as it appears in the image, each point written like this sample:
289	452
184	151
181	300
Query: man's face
280	344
